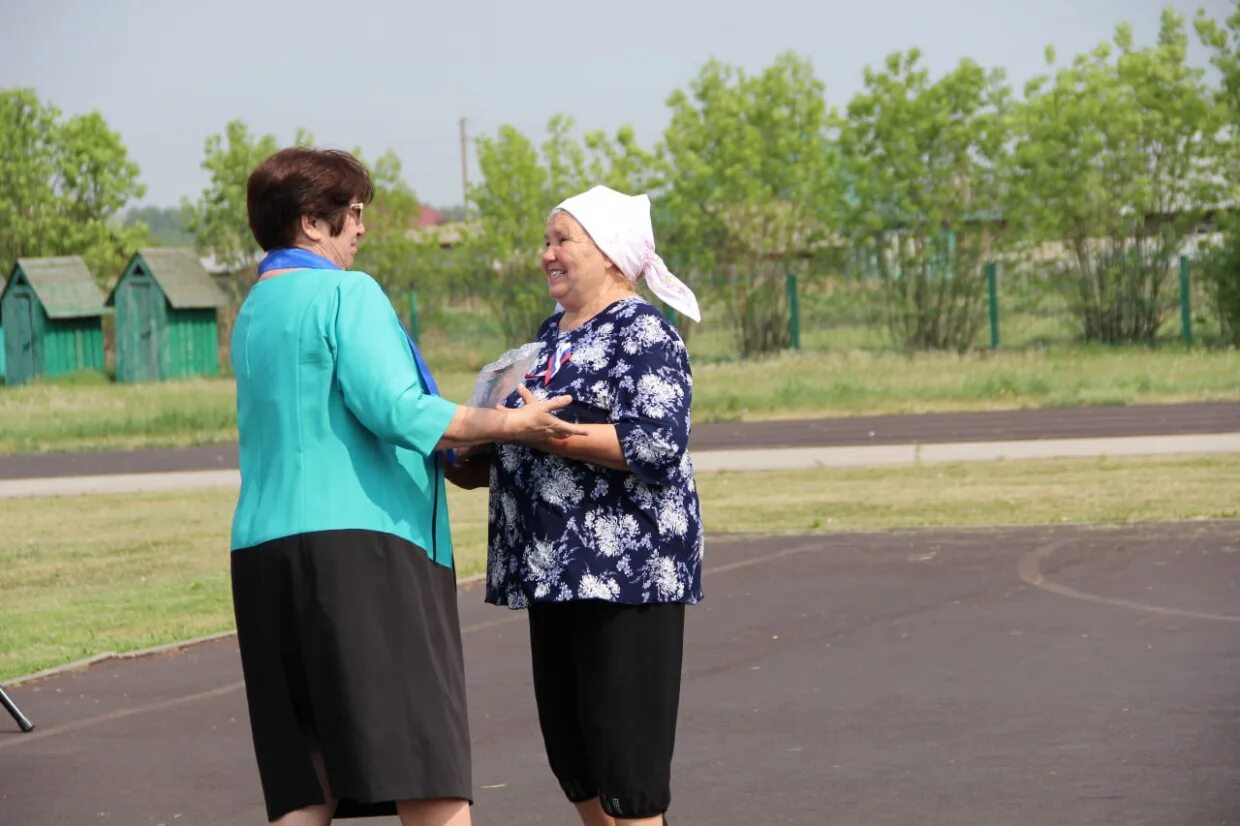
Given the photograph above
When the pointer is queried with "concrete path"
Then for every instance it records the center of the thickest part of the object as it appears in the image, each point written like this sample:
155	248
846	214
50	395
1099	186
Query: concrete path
801	458
1202	428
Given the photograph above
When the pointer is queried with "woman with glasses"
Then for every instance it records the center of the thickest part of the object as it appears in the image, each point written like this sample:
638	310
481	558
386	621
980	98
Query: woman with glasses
343	579
599	534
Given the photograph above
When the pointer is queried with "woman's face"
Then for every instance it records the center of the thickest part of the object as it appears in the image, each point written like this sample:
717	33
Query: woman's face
342	249
577	271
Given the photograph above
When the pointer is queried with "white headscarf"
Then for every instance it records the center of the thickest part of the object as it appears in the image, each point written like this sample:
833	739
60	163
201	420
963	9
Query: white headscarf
620	226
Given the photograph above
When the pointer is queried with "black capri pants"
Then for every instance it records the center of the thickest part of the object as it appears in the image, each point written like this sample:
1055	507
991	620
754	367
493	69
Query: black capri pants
607	685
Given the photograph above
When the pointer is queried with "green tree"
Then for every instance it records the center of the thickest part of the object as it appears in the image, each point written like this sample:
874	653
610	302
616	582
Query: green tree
565	162
166	224
1116	158
511	203
1221	260
218	219
922	162
748	174
520	184
621	163
391	251
62	186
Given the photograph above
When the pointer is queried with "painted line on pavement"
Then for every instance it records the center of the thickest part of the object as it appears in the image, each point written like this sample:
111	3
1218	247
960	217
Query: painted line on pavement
119	714
513	617
1029	569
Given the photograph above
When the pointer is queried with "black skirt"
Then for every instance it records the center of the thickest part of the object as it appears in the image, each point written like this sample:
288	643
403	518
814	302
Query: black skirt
351	650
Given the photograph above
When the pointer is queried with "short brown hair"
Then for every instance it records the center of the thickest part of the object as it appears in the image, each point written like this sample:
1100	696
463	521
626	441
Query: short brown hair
301	181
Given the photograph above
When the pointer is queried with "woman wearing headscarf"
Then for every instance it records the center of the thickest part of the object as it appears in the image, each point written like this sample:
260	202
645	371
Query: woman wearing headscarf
343	579
599	534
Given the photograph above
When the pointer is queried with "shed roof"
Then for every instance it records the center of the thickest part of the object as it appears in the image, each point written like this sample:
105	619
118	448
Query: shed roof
64	285
179	273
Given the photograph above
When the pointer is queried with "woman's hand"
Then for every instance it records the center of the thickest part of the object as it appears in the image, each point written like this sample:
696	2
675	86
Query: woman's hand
595	443
477	425
535	421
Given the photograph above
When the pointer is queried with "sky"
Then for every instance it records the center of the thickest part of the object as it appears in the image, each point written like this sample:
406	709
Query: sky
399	76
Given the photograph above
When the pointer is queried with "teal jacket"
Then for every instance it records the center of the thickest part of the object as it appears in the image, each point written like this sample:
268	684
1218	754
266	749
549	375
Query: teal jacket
337	429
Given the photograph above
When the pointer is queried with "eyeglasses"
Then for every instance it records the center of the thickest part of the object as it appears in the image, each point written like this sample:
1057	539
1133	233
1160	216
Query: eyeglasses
356	209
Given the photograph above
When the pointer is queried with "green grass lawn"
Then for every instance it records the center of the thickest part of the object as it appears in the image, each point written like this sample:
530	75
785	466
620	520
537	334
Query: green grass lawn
89	413
84	575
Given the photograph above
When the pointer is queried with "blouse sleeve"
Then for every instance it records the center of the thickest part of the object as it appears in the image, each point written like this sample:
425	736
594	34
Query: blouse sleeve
377	373
653	393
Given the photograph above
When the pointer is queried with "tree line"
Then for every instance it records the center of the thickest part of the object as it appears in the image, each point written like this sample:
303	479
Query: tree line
1104	169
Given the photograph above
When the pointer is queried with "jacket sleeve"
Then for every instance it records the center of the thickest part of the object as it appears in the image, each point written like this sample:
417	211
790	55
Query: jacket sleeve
376	371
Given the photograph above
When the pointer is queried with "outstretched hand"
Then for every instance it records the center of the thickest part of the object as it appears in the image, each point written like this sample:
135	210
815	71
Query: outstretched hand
536	420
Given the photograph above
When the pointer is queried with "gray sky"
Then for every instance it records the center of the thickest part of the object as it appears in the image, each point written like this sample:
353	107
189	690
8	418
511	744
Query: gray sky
392	75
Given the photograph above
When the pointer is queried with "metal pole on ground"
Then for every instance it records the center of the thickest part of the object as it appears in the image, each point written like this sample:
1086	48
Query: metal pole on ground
1186	304
12	708
794	312
415	327
992	289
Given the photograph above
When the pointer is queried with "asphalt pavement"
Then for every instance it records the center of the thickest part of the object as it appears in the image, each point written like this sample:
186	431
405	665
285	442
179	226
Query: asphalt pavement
1148	420
1015	677
1066	675
1196	429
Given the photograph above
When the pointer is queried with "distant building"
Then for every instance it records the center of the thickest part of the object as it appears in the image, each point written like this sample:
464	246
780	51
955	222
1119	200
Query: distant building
166	316
51	312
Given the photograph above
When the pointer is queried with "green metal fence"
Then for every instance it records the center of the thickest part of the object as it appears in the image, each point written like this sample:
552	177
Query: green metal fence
1021	306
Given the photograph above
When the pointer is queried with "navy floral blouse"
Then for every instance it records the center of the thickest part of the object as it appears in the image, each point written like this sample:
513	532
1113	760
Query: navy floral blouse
563	529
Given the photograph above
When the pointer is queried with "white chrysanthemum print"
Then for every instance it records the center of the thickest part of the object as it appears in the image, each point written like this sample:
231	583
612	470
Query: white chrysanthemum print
557	484
673	517
662	575
514	597
545	562
657	397
496	569
640	493
508	505
614	534
652	447
627	308
642	334
591	352
598	395
597	587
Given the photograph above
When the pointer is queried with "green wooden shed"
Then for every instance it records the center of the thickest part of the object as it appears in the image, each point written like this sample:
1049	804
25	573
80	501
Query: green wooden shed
51	310
166	316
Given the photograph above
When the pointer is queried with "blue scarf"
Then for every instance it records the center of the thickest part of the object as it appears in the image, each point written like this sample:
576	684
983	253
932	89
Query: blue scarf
292	258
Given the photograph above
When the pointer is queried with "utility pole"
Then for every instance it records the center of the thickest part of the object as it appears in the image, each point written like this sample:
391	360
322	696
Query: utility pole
464	170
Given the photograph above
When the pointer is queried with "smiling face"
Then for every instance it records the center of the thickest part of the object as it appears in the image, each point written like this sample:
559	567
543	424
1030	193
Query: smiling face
578	274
